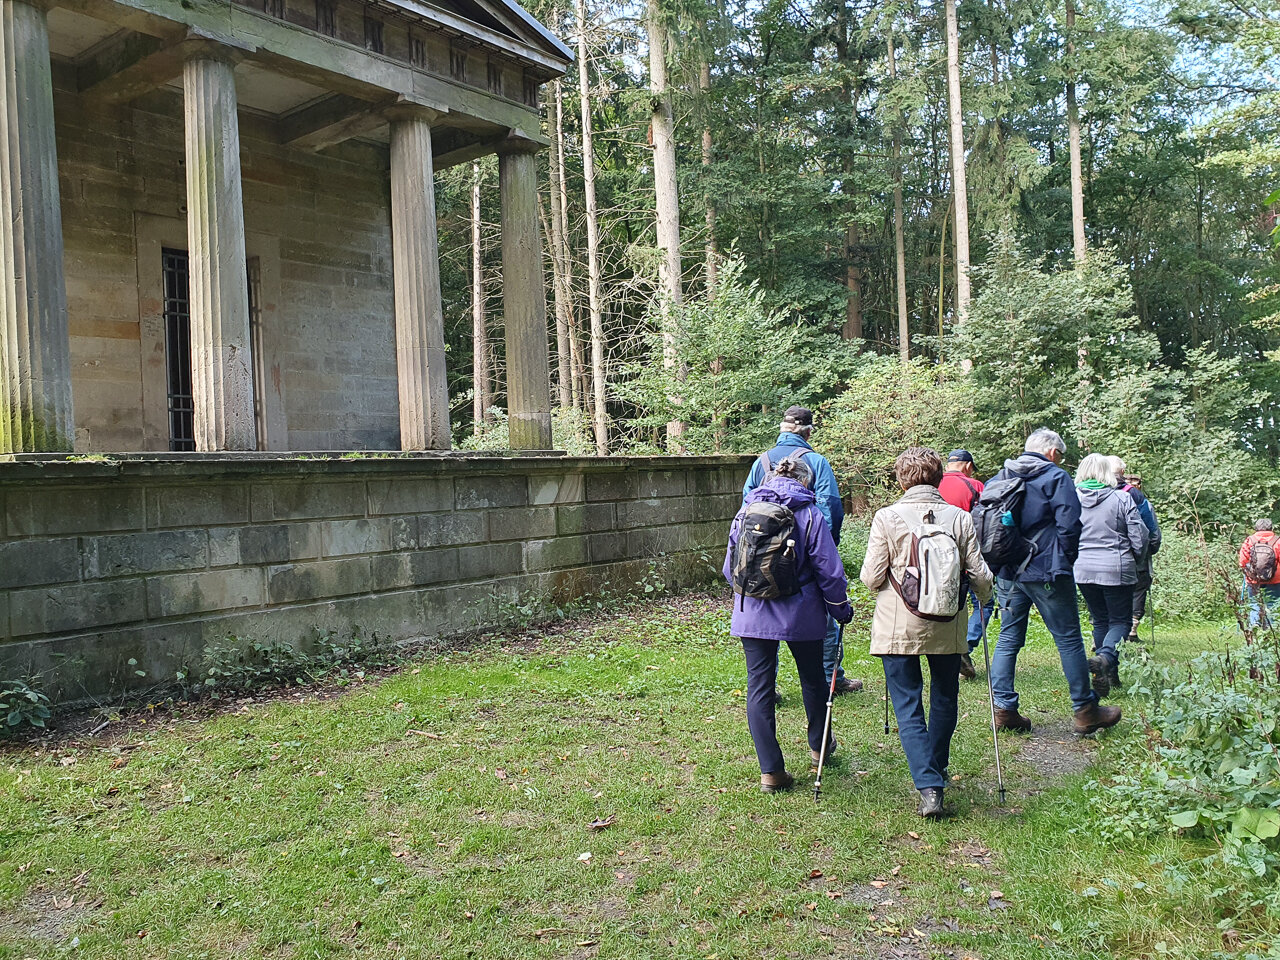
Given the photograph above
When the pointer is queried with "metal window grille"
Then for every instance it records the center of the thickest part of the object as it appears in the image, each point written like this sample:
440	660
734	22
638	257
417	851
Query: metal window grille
373	35
327	18
177	349
254	272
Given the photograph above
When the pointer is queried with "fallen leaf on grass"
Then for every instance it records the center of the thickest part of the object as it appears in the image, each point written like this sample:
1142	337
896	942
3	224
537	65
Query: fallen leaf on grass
424	733
834	894
997	895
879	883
586	943
913	835
602	824
895	871
584	857
814	874
500	774
811	906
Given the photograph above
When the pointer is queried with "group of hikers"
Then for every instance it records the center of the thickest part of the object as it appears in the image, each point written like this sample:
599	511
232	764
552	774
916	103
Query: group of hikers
1028	537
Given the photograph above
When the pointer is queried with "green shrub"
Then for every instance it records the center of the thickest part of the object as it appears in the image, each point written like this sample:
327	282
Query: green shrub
22	705
1209	767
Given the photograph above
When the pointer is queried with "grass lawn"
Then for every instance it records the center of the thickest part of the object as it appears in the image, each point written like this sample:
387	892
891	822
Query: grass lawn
458	808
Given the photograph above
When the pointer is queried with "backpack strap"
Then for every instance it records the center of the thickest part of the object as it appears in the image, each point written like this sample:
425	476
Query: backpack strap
766	463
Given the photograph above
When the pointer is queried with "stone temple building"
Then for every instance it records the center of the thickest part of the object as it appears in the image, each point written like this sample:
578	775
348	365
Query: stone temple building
218	220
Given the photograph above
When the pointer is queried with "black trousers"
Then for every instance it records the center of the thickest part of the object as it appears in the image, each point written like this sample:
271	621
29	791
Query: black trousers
762	675
1139	601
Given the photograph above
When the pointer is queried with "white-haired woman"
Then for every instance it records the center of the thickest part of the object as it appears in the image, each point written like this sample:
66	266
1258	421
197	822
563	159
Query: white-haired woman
1113	546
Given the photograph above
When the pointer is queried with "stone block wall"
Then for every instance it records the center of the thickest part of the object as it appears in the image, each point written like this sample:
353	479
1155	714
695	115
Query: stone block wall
156	560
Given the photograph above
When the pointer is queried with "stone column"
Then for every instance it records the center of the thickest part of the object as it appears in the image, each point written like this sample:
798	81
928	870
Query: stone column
524	299
221	367
420	357
35	355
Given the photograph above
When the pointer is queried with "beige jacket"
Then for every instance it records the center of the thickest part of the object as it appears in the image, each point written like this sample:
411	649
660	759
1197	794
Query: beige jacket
895	629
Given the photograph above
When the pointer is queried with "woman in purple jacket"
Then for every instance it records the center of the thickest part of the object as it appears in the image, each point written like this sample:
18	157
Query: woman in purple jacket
800	621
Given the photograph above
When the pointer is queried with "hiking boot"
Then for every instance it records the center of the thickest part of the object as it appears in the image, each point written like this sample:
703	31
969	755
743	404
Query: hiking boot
776	782
1012	720
930	803
832	744
1100	670
845	685
967	669
1095	717
1113	675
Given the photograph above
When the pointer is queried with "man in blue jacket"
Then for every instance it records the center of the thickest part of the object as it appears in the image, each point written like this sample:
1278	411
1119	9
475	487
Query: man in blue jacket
793	440
1051	521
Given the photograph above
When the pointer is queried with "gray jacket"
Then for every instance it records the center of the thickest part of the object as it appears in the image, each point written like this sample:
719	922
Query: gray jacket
1113	538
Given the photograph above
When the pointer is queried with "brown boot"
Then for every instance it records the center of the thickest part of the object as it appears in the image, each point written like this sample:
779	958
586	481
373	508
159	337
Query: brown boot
847	685
1012	720
775	782
831	752
1095	717
967	669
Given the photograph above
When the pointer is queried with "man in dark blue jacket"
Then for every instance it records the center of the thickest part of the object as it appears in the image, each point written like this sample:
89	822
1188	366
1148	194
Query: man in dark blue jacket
793	441
1051	521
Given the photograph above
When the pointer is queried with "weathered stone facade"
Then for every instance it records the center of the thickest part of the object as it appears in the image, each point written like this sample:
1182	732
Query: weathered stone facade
278	156
157	560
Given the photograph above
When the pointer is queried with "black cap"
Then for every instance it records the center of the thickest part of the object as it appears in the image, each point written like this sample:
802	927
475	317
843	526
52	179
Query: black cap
800	416
960	456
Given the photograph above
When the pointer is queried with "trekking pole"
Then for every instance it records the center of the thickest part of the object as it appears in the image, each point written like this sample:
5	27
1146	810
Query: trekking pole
991	699
831	702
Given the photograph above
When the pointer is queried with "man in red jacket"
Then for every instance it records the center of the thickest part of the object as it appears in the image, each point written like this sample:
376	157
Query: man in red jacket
1260	561
960	488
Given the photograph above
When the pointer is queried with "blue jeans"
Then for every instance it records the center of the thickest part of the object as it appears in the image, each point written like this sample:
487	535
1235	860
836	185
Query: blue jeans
927	745
831	650
1262	595
1056	602
1111	610
762	675
979	619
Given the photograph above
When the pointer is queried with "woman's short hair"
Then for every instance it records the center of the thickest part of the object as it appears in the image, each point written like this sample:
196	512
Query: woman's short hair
1118	467
1261	526
1096	466
917	465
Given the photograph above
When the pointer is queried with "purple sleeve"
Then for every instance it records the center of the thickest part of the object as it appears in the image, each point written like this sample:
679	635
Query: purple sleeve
828	569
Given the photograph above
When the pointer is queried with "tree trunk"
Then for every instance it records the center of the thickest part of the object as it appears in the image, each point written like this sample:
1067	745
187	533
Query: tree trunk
899	243
593	240
581	388
482	398
709	269
958	182
1073	139
852	327
666	196
560	288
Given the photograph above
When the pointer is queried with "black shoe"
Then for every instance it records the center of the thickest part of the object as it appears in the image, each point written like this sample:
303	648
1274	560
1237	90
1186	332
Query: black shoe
967	669
930	803
1114	677
1100	669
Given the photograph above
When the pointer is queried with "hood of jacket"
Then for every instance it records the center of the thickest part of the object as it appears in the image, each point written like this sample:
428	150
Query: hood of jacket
1028	465
790	493
1091	498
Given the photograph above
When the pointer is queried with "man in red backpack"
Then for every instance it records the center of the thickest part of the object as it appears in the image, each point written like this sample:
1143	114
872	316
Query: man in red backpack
960	488
1260	561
